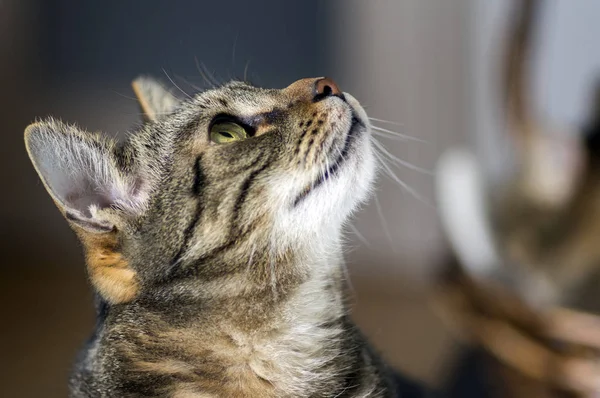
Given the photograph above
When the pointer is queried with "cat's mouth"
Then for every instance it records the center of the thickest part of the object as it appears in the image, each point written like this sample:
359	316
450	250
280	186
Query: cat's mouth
357	126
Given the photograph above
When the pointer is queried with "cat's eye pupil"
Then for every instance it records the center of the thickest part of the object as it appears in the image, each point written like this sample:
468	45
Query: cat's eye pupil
226	134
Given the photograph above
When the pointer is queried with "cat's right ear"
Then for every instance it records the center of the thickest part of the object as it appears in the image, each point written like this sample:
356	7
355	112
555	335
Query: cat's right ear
81	173
84	175
155	100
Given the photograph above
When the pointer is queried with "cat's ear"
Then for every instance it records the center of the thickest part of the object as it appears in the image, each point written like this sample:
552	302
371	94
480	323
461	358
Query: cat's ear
155	100
81	173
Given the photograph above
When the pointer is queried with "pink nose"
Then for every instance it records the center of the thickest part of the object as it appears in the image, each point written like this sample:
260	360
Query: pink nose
314	89
326	87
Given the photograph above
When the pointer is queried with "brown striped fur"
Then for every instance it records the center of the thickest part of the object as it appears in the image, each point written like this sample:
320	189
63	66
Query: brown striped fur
218	267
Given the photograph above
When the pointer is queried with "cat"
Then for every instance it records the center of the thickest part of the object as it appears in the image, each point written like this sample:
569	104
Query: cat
213	243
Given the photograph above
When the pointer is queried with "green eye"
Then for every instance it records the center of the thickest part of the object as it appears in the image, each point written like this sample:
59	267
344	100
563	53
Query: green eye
222	133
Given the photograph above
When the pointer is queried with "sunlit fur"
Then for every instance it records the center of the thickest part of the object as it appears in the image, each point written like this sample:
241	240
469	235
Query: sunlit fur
235	248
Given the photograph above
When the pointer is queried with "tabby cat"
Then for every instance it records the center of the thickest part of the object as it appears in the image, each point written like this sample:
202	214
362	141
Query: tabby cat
213	241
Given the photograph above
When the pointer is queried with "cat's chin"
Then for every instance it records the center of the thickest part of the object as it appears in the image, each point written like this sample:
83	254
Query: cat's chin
330	202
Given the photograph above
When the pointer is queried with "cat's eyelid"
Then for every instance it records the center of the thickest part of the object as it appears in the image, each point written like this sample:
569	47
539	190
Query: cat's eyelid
228	118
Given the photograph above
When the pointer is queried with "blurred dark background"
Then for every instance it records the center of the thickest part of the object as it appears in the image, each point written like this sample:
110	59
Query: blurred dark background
408	61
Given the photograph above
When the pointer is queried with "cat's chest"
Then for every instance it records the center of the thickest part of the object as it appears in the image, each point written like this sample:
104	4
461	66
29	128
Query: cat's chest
284	362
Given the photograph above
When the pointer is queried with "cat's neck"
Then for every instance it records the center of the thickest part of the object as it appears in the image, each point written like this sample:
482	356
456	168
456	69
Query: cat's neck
283	346
259	279
302	287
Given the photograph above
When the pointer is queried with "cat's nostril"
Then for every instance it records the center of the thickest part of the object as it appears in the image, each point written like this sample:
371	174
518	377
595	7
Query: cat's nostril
326	87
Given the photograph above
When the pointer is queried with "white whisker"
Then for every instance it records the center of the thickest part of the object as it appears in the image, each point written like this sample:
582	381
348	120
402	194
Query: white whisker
233	51
386	121
204	75
156	113
384	225
388	136
192	85
397	134
211	75
397	160
246	70
175	84
404	185
360	236
124	96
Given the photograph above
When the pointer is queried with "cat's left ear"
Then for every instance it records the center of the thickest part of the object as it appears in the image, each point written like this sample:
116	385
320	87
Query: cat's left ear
155	100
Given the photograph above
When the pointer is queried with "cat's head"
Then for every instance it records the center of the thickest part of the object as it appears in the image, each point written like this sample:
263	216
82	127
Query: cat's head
236	178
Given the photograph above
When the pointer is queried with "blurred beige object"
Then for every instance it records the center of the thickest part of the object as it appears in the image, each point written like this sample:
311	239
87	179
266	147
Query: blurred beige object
520	242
